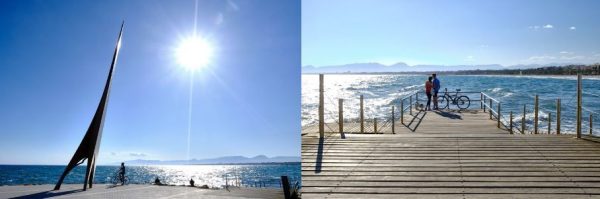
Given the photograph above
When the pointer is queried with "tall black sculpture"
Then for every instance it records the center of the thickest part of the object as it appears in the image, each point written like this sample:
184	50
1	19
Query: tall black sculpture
88	149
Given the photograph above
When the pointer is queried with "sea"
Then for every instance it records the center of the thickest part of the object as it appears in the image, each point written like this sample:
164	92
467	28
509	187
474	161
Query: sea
215	176
382	91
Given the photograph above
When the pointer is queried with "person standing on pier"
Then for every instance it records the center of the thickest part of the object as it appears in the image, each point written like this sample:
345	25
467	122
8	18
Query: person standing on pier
122	173
428	87
436	88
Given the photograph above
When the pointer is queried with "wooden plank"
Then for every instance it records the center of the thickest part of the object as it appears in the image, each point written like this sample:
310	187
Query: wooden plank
445	157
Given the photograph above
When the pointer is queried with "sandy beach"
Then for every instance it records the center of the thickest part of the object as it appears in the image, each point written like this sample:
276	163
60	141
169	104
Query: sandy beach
134	191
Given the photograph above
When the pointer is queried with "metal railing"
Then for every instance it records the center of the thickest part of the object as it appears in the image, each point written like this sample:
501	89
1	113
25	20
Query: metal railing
366	121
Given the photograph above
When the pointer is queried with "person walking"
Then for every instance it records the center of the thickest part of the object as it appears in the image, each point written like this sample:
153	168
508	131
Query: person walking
436	89
428	87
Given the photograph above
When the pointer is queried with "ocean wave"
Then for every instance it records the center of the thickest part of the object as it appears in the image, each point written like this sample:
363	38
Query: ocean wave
383	92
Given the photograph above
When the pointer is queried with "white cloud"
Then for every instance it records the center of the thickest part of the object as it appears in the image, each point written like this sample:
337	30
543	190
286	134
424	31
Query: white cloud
537	27
572	28
470	58
137	154
541	58
566	52
578	57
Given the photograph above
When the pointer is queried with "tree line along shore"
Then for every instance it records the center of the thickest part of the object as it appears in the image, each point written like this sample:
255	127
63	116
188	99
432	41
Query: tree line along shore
593	69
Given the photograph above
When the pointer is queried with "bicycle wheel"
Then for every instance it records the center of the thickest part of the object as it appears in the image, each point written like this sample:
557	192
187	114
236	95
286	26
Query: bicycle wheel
442	102
463	102
114	179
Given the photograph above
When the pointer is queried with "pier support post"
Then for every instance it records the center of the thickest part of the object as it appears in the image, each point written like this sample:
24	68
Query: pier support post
523	119
578	106
535	115
341	115
499	115
549	122
393	121
374	125
321	107
510	123
362	115
558	116
402	111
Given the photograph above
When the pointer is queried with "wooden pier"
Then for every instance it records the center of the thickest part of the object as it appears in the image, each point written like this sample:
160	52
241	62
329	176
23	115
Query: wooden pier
450	154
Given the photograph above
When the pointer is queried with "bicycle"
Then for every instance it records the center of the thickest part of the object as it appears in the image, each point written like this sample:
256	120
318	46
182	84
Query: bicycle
461	101
117	180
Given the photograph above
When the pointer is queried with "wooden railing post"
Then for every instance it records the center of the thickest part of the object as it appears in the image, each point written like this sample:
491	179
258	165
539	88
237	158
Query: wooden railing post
510	122
411	105
341	115
490	108
499	115
481	101
523	119
374	125
402	111
321	107
578	106
362	115
393	121
416	100
591	124
558	116
549	122
535	115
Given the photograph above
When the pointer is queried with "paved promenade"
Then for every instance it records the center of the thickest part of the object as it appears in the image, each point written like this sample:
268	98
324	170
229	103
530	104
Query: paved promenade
134	191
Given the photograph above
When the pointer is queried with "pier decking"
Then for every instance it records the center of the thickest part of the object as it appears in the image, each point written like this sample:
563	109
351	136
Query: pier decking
448	154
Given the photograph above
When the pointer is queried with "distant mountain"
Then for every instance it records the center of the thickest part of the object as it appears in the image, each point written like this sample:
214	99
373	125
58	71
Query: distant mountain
219	160
357	67
403	67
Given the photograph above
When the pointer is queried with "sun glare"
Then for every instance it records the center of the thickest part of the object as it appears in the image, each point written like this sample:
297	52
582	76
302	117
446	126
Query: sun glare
194	53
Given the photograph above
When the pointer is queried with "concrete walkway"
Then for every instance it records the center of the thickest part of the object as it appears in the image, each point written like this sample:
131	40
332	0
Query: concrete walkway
134	191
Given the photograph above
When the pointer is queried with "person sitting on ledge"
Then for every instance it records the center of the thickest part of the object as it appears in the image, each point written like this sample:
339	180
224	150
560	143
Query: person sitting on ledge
191	182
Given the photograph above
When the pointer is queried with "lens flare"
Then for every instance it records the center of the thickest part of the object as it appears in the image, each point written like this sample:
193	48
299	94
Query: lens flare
194	53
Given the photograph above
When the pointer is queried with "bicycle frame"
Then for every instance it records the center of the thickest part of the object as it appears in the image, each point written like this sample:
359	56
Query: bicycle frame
455	99
452	98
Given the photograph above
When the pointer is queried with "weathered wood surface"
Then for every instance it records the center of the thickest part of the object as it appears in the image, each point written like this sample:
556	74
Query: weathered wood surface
449	155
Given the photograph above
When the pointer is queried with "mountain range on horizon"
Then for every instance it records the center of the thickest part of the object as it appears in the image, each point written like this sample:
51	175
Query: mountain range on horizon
219	160
374	67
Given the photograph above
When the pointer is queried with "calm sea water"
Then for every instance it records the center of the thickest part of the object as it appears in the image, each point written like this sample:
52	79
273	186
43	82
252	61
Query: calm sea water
383	91
211	175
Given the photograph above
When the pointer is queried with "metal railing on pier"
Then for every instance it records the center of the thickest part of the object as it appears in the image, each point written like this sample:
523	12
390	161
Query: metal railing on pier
384	119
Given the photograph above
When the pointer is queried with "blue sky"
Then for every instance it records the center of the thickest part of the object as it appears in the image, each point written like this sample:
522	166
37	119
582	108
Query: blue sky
470	32
55	55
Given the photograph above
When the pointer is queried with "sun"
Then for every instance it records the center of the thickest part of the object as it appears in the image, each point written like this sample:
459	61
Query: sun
194	53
